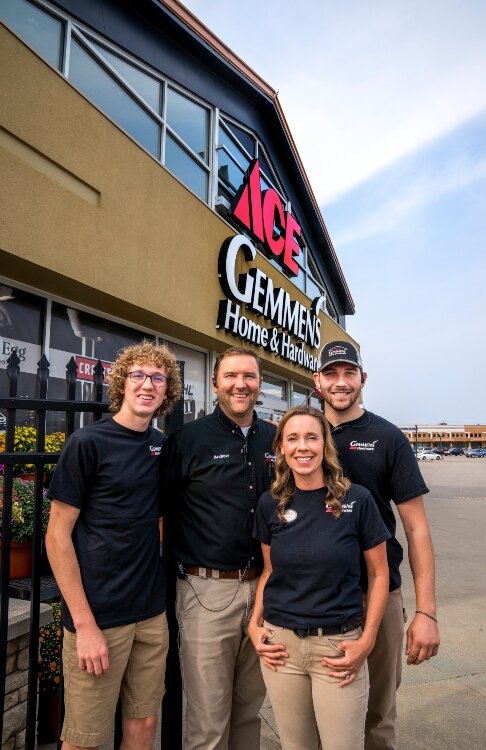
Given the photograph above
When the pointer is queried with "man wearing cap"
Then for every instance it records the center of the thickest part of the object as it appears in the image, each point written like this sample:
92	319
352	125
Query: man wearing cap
376	454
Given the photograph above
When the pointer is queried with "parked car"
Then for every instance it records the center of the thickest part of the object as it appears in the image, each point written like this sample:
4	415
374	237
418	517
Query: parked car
455	452
440	450
428	455
475	452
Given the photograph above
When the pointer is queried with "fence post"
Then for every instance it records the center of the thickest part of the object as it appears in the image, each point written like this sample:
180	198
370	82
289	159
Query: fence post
13	374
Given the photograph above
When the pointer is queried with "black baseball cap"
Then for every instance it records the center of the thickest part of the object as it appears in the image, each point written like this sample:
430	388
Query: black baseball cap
339	351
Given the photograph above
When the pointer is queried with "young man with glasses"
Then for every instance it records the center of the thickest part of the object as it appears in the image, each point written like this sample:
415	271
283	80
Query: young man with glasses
103	546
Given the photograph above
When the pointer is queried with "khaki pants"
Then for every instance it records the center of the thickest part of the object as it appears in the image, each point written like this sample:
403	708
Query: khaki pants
385	666
137	654
302	693
220	669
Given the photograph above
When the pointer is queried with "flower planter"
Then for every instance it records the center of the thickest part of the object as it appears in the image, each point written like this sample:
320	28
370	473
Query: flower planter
20	559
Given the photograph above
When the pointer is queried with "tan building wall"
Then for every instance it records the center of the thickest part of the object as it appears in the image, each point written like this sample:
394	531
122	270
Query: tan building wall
91	217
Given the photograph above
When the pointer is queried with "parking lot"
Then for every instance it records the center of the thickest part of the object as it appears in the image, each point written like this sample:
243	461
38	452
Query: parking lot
442	703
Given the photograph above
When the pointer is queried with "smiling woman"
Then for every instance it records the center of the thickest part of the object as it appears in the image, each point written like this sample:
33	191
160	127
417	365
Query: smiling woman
313	527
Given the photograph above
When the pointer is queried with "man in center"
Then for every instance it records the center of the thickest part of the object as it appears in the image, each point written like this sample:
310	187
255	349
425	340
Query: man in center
214	470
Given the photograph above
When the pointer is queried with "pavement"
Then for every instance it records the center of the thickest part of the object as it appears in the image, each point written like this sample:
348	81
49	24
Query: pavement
442	703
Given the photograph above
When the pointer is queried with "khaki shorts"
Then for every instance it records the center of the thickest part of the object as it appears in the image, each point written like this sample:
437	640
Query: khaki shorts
137	654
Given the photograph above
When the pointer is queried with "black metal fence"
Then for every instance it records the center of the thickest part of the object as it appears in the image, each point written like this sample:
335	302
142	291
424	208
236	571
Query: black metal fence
41	406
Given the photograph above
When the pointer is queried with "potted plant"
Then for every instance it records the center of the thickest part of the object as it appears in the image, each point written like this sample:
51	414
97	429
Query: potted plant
22	527
49	674
25	441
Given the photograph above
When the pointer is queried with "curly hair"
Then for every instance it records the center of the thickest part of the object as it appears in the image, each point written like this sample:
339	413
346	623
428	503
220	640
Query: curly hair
283	486
145	353
236	351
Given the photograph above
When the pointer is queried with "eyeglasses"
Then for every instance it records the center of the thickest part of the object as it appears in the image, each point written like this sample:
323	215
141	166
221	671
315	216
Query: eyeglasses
139	378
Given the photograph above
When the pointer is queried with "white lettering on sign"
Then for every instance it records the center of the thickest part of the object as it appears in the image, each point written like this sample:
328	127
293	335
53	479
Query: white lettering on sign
85	368
256	291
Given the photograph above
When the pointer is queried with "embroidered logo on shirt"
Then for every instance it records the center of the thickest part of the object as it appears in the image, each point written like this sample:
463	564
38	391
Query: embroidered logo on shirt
155	450
355	446
290	515
347	507
220	456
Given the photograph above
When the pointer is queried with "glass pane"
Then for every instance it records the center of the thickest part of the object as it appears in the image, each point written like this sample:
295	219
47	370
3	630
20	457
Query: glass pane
91	78
299	395
194	382
186	169
21	329
312	289
42	31
225	140
244	138
264	165
228	172
273	388
145	85
87	338
190	121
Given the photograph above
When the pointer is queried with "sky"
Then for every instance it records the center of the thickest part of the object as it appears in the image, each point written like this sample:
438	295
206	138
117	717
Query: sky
386	101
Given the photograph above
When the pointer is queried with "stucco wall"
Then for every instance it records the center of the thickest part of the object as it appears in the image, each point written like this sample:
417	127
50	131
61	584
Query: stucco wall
89	216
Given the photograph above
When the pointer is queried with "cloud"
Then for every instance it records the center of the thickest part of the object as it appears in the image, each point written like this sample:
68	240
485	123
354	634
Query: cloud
411	196
361	84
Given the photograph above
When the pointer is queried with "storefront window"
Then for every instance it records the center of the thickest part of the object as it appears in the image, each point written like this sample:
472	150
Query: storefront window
194	381
21	330
86	73
299	395
273	401
87	338
302	395
39	29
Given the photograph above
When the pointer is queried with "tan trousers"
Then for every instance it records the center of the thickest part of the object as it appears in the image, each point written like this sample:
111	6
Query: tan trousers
385	666
137	654
220	669
302	694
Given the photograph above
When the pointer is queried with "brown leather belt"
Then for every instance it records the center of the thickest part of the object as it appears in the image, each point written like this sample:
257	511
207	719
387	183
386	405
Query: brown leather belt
243	575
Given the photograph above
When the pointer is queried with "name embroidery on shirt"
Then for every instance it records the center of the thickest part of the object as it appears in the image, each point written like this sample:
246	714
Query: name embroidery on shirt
346	507
355	446
155	450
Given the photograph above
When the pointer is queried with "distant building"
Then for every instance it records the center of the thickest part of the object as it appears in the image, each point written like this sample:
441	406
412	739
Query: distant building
446	435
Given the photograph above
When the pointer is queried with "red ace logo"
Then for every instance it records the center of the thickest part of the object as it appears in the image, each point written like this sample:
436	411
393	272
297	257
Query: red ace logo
261	213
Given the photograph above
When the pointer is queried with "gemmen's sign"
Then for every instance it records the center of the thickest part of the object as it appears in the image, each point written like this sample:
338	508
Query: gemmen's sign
254	290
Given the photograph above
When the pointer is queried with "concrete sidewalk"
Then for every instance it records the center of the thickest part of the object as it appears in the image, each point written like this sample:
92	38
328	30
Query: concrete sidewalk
442	703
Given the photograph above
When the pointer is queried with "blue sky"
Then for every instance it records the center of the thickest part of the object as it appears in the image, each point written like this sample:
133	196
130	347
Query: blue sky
386	100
